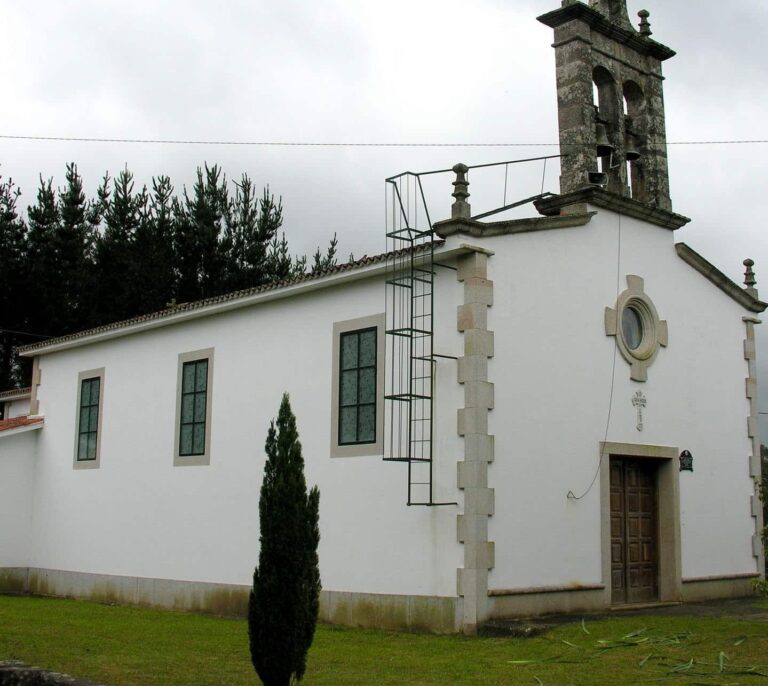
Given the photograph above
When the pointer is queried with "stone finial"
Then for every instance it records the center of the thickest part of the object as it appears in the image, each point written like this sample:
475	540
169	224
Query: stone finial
461	208
645	25
749	277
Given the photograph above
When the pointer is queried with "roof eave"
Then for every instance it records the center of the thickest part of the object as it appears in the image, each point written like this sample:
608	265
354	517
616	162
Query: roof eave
171	318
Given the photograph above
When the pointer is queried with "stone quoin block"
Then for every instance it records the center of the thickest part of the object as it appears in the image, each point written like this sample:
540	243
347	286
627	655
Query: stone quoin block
472	368
472	474
472	420
480	447
479	501
479	394
479	555
472	265
471	316
478	290
472	583
478	342
471	528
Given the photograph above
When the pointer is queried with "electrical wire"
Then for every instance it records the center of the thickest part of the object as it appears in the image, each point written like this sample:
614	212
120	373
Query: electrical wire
332	144
571	495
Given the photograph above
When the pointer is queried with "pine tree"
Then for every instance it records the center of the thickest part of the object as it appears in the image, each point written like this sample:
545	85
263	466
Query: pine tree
73	244
201	257
284	601
323	262
43	220
253	223
118	294
13	284
153	267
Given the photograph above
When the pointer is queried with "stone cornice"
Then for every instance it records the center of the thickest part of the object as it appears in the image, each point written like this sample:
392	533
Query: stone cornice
600	23
713	274
478	229
611	201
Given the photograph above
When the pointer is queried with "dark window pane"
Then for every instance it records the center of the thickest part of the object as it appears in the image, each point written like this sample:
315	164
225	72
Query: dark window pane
185	440
84	419
201	380
632	327
93	423
187	408
349	388
368	348
82	447
367	426
91	446
188	377
198	439
348	425
349	351
200	400
368	385
95	388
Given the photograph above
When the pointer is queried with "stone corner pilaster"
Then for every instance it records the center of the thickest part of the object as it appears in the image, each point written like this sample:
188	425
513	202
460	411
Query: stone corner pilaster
472	424
754	467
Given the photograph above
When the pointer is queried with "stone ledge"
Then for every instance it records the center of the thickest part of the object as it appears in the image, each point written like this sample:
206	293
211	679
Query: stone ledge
593	195
478	229
600	23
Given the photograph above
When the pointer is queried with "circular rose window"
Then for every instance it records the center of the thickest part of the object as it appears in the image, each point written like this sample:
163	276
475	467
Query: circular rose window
636	325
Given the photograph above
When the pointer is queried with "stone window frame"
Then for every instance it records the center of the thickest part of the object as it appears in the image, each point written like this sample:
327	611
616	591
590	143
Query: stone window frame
205	457
377	321
655	332
95	463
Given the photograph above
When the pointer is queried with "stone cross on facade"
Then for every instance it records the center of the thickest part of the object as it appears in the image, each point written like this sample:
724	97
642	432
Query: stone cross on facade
639	401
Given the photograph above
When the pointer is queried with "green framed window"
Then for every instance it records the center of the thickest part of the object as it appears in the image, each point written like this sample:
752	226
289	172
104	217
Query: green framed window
88	419
357	387
90	413
194	408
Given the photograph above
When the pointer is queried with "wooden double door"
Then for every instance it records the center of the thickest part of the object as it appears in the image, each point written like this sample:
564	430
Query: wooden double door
634	531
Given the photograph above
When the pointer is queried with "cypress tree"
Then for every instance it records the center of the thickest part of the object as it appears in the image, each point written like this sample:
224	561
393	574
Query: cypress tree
284	601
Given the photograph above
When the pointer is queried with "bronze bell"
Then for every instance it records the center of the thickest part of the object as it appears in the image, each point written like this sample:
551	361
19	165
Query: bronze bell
632	144
604	147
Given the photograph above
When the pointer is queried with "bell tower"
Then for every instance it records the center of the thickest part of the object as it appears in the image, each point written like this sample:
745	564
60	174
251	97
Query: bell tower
610	101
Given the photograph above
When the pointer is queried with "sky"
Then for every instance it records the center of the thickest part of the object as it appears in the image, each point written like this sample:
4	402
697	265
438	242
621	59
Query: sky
359	71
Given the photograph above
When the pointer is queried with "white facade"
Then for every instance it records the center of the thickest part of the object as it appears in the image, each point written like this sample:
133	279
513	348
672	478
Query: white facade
138	516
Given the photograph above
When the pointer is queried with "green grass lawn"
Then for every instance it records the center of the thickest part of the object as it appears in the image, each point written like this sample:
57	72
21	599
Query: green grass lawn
127	646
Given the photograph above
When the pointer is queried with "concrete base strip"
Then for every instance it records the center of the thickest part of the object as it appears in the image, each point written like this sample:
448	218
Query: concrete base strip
366	610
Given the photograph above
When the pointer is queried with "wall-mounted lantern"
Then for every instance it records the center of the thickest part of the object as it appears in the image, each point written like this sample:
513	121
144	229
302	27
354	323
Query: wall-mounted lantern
686	461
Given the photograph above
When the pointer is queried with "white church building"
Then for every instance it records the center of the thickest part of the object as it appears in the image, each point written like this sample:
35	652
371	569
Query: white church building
504	418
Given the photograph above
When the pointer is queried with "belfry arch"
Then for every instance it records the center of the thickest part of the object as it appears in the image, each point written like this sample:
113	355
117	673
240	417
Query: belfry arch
598	49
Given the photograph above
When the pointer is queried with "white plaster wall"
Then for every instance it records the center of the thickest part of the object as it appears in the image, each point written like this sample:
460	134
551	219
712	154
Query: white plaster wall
553	375
138	515
17	408
17	471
